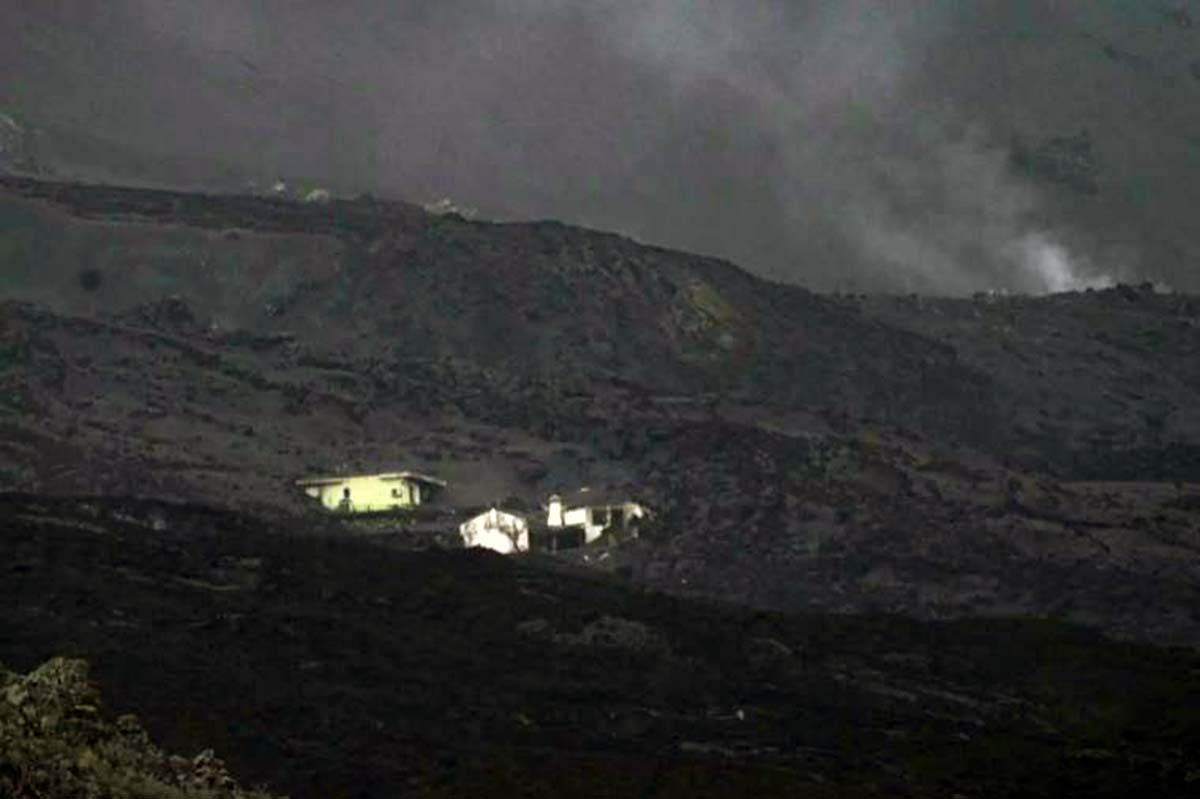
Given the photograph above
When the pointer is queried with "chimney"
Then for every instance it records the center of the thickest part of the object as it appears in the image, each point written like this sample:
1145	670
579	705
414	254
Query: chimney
554	516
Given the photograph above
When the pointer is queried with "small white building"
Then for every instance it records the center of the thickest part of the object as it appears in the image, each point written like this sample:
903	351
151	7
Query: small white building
367	493
497	530
594	511
318	196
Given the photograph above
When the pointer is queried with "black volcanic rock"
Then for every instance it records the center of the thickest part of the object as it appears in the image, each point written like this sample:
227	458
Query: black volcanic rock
170	314
1092	385
885	521
1042	380
825	453
327	666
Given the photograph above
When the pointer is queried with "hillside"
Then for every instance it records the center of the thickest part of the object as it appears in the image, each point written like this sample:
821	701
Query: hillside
1088	377
939	458
886	315
375	287
322	666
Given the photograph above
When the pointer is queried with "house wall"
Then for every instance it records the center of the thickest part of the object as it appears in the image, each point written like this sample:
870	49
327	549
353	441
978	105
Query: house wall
497	530
367	494
575	517
495	541
594	518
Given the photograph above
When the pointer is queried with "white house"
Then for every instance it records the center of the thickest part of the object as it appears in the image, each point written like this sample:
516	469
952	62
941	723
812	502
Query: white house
318	196
496	530
365	493
594	511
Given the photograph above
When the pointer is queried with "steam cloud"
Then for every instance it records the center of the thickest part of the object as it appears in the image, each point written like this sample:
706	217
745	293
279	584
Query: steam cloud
808	141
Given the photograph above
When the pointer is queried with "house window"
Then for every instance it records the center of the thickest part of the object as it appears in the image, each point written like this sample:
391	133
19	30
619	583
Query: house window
616	516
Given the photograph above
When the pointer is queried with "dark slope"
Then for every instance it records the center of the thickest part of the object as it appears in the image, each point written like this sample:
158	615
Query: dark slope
374	280
1094	383
379	287
886	521
761	504
519	360
334	668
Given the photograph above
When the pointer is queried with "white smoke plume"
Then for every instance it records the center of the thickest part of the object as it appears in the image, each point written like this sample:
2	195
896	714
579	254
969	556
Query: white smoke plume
810	141
921	195
1049	263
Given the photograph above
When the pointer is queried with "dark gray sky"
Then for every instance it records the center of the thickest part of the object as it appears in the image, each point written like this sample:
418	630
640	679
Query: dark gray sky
852	144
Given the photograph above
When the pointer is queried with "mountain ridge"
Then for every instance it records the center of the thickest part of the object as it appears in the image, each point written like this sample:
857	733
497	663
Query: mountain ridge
890	450
391	282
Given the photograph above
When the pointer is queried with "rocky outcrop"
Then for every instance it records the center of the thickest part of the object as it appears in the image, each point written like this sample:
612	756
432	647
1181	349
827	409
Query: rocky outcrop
55	743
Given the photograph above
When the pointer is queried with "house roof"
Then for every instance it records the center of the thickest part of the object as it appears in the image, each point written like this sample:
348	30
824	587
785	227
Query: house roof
413	477
590	496
474	513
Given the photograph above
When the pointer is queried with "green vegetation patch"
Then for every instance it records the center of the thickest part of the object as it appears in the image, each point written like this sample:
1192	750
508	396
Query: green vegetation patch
828	461
56	744
718	337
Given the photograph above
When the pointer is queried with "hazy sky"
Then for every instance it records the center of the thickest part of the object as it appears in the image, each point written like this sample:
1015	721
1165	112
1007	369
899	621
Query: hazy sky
845	144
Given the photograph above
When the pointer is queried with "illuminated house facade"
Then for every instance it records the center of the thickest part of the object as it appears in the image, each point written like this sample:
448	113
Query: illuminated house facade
497	530
367	493
593	511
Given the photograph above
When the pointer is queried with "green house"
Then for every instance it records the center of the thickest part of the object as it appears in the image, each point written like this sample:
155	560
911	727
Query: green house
368	493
